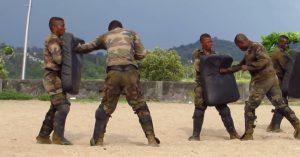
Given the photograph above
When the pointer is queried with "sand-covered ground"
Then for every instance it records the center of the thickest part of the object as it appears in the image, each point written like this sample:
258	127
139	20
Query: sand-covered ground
20	122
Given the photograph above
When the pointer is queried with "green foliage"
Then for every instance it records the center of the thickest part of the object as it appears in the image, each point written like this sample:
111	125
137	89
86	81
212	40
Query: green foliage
162	65
13	95
242	77
189	72
270	40
43	97
93	67
5	51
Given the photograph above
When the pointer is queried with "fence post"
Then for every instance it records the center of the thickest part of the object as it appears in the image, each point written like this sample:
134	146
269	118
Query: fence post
159	90
0	85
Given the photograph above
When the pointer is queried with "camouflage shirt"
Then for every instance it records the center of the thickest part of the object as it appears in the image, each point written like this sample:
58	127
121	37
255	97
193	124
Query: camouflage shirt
196	61
52	53
258	61
280	60
123	47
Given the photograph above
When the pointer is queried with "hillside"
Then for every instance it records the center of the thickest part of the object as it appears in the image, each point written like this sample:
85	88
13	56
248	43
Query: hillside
93	65
220	46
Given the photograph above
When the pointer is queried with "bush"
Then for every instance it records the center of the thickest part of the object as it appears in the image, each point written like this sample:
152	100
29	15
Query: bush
162	65
5	51
13	95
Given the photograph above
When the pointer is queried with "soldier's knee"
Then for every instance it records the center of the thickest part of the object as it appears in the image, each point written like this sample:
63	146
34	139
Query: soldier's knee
198	113
278	102
281	106
63	109
251	105
144	114
250	111
223	110
59	98
142	110
101	113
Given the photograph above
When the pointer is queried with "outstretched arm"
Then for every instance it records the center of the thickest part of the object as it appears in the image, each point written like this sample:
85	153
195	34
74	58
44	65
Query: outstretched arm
97	44
234	68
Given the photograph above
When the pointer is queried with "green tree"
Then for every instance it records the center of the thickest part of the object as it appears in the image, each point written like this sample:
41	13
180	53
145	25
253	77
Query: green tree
270	40
5	51
162	65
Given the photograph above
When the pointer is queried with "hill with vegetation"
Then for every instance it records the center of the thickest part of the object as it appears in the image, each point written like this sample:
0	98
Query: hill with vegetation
220	46
93	65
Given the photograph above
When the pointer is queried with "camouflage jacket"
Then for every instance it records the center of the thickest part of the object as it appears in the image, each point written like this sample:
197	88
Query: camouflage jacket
196	55
280	60
123	47
258	61
52	53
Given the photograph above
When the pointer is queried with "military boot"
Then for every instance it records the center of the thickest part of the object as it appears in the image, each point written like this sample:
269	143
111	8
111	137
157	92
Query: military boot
250	117
227	120
290	115
100	127
274	126
198	118
249	129
61	113
47	127
147	125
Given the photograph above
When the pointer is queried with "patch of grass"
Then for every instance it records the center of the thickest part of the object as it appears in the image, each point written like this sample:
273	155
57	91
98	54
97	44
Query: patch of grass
13	95
43	97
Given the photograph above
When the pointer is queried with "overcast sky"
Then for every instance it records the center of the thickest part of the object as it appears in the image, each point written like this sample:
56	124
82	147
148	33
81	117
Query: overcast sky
160	23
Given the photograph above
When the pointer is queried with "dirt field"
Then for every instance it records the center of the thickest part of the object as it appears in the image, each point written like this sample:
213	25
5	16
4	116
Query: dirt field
21	121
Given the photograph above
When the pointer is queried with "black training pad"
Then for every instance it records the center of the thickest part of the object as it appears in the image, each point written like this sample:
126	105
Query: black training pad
290	83
71	64
218	88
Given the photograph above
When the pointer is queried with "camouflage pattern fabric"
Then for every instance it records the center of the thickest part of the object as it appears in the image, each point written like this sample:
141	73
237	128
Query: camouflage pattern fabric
196	61
123	47
280	60
258	61
52	64
117	83
264	81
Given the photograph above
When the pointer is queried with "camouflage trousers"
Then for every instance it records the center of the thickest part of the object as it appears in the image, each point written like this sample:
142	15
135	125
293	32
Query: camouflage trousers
53	86
258	90
122	82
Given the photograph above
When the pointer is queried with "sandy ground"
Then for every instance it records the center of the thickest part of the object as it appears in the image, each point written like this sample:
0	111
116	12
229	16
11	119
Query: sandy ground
21	121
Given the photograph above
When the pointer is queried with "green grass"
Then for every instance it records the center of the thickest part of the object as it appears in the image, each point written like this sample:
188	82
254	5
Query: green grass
13	95
43	97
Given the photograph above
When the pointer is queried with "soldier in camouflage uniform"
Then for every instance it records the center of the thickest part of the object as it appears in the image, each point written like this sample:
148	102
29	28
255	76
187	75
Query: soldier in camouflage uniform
280	61
56	116
264	82
123	48
200	105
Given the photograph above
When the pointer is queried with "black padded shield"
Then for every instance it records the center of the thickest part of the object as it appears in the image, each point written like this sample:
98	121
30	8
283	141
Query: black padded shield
71	64
218	88
290	83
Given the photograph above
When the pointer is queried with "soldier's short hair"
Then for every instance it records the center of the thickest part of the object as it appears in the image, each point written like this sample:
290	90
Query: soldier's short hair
114	24
204	35
283	37
53	20
240	37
